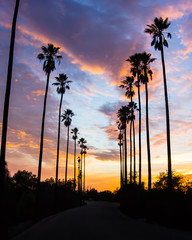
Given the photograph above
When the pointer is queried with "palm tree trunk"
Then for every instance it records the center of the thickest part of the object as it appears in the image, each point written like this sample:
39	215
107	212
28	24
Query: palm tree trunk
121	164
58	141
66	166
41	141
148	141
5	121
125	134
167	120
74	164
84	175
81	169
79	175
123	160
130	151
139	100
134	155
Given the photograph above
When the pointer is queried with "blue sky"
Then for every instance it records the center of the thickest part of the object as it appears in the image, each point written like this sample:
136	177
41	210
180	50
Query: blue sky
95	39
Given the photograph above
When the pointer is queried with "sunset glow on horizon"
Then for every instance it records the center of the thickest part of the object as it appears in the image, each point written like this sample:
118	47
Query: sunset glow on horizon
95	39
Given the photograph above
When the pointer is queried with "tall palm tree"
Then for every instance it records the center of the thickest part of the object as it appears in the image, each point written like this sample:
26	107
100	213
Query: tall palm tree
135	61
79	175
128	84
62	84
5	120
82	143
49	55
132	106
74	131
122	115
146	61
157	30
120	138
67	119
85	148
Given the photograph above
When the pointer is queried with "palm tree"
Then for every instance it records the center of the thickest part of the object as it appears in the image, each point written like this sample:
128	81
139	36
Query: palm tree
146	60
135	61
74	131
49	55
159	40
62	84
79	175
122	115
132	106
85	148
128	84
82	143
67	119
120	138
5	119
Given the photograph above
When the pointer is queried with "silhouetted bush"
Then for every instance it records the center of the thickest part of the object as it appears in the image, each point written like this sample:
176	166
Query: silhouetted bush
21	198
171	208
107	195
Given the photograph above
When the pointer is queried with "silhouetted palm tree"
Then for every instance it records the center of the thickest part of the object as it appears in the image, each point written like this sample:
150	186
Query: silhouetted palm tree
85	148
67	118
49	55
122	115
128	84
5	122
132	107
120	143
146	60
82	143
157	30
135	61
79	175
74	131
62	84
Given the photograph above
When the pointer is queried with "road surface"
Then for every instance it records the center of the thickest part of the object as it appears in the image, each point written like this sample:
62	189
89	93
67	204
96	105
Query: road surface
99	221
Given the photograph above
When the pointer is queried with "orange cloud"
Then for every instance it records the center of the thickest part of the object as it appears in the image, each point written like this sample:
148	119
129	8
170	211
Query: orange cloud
38	92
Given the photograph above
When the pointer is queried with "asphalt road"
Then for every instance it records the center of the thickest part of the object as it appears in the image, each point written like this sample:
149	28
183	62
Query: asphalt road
101	221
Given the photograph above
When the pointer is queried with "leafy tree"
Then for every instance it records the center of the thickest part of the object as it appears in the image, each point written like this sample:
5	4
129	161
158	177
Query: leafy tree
24	180
62	84
67	119
75	131
146	61
178	181
48	55
157	30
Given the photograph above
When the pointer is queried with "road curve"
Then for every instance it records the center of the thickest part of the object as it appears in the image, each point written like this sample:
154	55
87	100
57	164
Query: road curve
99	221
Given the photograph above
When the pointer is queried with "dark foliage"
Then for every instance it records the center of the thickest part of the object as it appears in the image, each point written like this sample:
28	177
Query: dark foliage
160	205
109	196
21	199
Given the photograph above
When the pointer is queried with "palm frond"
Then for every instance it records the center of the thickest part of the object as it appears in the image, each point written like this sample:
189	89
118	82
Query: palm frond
169	35
40	56
165	43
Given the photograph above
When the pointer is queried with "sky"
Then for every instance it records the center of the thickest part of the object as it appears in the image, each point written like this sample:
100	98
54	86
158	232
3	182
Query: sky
95	39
